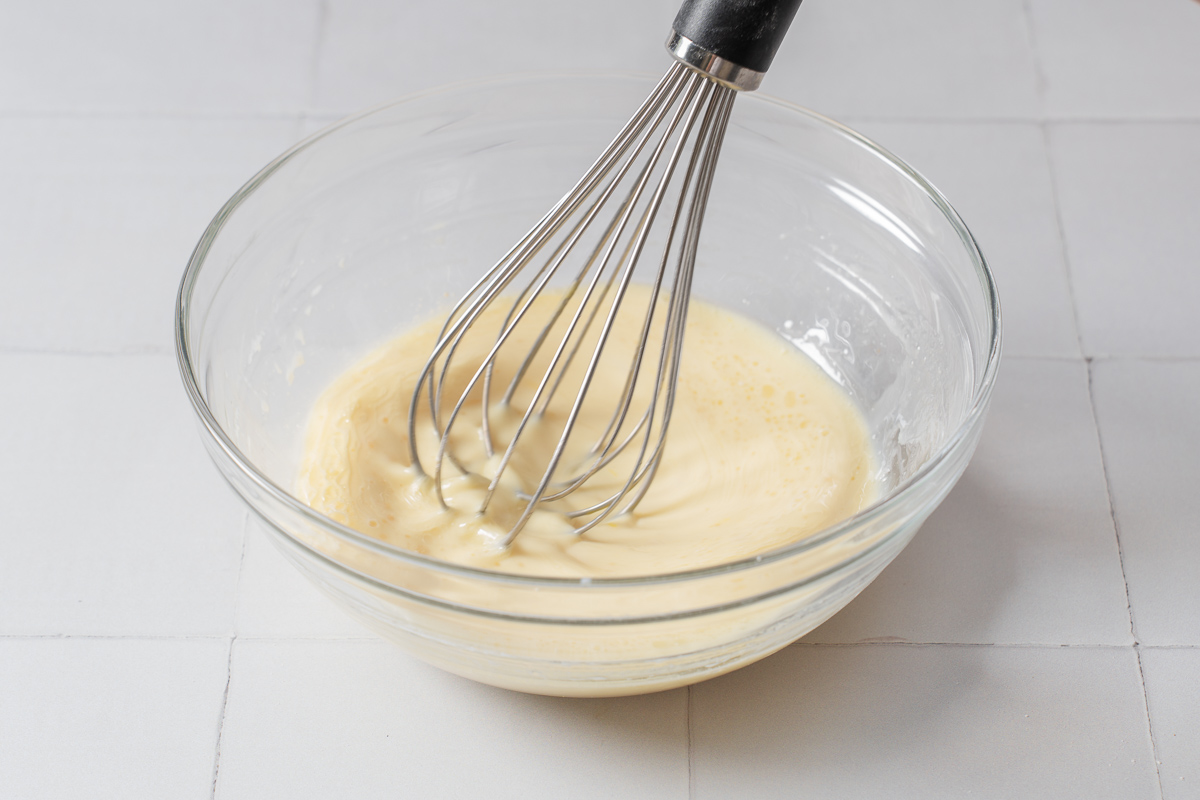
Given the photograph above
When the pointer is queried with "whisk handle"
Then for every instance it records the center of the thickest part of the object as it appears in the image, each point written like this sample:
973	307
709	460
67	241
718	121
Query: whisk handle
744	32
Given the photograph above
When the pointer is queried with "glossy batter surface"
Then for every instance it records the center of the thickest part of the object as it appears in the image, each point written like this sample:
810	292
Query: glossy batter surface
763	450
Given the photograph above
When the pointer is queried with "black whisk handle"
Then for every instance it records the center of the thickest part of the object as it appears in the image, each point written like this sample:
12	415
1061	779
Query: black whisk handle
744	32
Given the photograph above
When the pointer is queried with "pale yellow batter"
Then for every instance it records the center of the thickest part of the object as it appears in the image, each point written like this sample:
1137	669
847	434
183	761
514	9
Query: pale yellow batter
763	450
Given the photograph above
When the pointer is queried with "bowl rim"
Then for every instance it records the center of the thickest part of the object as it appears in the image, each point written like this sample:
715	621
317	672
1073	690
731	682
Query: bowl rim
979	404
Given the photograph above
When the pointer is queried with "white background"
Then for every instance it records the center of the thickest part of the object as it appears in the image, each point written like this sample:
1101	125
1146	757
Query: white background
1039	638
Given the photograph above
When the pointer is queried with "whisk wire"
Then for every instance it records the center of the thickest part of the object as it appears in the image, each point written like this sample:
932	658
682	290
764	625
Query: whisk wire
686	107
603	447
545	276
691	109
644	469
523	251
678	304
564	301
688	257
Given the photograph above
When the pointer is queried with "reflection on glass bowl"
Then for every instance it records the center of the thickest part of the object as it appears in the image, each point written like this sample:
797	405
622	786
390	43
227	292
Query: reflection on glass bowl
377	222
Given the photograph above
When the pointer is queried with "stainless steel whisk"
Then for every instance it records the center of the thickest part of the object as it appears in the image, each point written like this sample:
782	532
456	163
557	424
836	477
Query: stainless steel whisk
720	47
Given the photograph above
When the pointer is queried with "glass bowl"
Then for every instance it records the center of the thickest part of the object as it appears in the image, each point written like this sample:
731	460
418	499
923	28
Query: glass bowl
384	218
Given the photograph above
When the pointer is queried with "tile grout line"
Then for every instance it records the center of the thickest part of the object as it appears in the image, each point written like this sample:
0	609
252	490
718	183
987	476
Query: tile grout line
1112	509
137	637
1105	357
132	352
318	46
1039	72
216	771
1112	514
1076	359
237	596
1142	646
145	115
1121	120
241	568
1137	651
284	114
1063	250
298	122
1145	358
1041	84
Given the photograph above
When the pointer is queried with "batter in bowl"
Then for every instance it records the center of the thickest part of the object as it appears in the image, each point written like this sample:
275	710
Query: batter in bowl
763	450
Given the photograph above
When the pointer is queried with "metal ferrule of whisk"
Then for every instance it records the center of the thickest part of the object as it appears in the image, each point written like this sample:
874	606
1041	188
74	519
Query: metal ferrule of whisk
591	246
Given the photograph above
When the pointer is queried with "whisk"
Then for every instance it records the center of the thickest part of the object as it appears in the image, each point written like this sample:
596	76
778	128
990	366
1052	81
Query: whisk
720	47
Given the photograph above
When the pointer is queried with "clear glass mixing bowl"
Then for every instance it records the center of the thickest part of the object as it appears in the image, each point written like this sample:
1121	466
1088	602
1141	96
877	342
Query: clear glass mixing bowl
382	219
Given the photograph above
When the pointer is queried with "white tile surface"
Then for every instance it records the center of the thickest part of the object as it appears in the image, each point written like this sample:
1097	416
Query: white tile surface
1173	694
1110	58
1129	194
997	176
1023	549
372	52
117	719
146	56
114	520
125	125
919	59
101	216
311	123
322	719
902	721
1151	436
275	600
